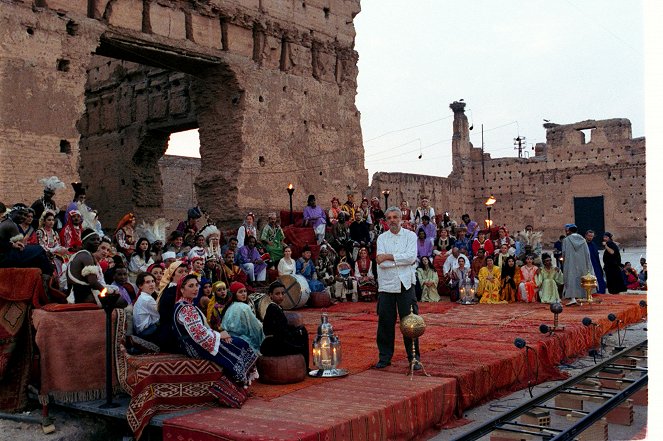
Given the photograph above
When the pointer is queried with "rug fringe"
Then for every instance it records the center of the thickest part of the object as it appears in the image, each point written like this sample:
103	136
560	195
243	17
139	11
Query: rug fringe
73	397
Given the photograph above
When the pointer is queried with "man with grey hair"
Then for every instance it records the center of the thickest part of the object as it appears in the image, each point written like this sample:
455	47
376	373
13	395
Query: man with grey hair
396	257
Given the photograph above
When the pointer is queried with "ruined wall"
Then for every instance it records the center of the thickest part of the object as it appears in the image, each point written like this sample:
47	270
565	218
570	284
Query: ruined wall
43	58
129	106
540	190
270	84
178	174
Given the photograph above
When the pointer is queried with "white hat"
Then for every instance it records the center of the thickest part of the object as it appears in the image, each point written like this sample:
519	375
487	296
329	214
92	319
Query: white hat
169	255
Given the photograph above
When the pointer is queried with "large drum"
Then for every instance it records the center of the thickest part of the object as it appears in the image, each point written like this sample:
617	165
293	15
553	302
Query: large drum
296	294
261	306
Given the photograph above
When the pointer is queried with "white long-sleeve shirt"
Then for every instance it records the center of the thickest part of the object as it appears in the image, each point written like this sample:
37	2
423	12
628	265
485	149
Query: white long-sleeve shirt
145	312
401	270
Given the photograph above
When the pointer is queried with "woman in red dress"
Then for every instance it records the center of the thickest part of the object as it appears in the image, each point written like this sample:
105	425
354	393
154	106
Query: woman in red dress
367	286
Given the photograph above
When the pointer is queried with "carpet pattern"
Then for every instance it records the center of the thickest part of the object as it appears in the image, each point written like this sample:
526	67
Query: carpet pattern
161	383
371	405
17	288
468	349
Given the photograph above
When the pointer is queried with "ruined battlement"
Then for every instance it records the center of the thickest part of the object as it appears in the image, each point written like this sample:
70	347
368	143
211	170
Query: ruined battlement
540	189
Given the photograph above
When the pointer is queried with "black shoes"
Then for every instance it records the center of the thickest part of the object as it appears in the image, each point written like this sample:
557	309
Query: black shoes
382	364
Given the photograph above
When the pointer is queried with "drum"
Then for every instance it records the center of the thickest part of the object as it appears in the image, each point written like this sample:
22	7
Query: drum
296	295
261	306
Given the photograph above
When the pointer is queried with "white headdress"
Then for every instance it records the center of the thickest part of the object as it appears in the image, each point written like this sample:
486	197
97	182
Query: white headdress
532	238
154	232
208	230
52	183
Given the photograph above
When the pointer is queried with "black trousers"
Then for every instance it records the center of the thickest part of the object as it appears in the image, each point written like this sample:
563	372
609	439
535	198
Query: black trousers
388	304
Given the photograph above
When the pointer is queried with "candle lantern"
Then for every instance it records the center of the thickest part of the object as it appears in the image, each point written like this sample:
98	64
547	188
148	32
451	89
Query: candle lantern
466	294
327	351
108	301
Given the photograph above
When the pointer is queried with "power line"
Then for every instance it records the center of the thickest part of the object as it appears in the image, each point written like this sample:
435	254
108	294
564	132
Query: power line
407	128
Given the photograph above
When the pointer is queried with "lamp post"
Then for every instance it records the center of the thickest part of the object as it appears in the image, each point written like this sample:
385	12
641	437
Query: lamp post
108	301
385	193
291	190
489	205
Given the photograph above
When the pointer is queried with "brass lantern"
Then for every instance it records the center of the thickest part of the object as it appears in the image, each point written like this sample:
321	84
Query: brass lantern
588	282
413	326
327	351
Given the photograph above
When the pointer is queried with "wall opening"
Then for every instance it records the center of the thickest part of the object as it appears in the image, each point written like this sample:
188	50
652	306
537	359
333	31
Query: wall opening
586	134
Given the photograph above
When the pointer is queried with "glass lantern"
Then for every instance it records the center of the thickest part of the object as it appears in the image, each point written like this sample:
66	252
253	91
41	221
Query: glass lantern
327	351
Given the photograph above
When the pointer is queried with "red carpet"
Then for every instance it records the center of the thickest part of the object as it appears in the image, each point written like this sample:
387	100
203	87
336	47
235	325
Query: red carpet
468	350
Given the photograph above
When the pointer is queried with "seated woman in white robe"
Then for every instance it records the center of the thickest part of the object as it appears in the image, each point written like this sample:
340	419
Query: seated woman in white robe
288	266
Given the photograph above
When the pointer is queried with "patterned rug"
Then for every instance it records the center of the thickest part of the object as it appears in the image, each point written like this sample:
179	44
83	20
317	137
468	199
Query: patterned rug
17	288
468	350
161	383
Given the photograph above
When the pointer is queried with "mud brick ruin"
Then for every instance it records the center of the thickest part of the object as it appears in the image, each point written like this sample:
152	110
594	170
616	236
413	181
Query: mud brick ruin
546	190
92	89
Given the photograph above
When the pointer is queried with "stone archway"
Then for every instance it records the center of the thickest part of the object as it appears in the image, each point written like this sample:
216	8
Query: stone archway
131	109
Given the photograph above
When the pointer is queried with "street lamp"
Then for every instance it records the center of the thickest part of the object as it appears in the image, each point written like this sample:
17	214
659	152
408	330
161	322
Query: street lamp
385	193
291	190
489	204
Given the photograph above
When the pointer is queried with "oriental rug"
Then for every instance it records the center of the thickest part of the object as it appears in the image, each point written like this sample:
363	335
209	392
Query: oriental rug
159	383
468	349
72	357
17	288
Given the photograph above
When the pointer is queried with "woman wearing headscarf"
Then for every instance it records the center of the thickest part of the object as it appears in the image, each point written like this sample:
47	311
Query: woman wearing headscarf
366	283
282	338
489	282
239	320
220	298
197	340
247	229
124	235
166	304
612	265
509	279
527	287
334	210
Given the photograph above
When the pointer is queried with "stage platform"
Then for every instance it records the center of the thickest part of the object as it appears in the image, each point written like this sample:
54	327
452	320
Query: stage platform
468	350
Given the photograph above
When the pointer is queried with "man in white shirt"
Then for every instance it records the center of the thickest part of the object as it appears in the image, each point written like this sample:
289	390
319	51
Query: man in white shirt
452	261
396	257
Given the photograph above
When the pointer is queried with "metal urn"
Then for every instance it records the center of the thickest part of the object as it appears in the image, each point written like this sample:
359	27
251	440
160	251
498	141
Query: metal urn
588	282
413	326
327	351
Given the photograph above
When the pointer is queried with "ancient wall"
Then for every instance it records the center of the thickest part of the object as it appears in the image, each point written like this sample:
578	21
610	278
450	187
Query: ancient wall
178	175
270	85
540	190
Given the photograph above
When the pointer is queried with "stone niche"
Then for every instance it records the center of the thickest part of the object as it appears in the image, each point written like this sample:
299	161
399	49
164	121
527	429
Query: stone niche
101	85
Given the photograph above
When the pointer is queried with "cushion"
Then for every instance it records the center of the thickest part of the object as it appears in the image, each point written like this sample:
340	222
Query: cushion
285	369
